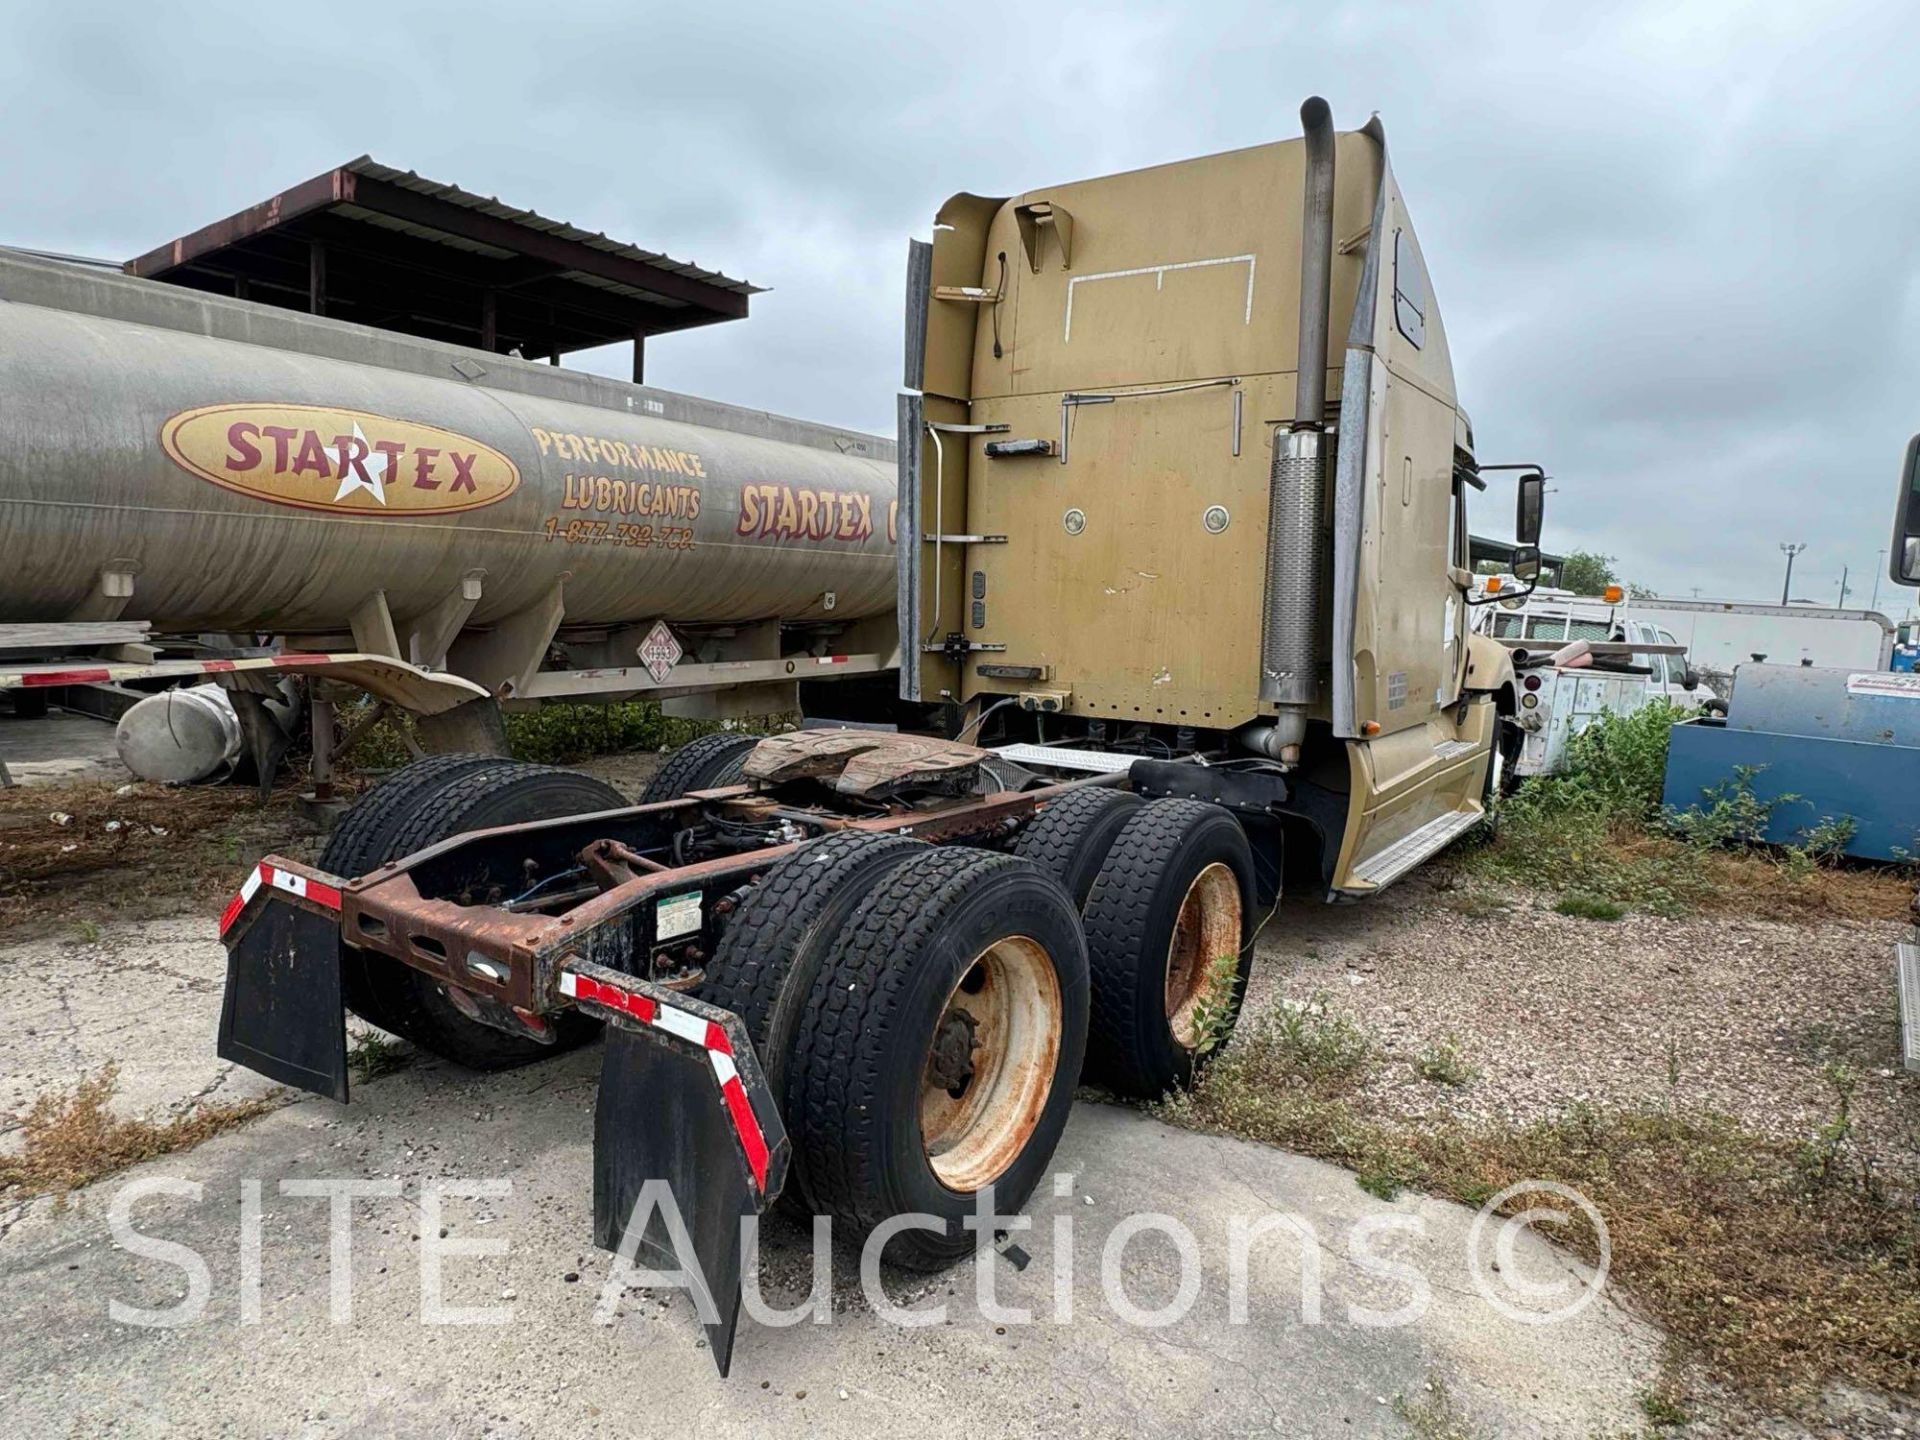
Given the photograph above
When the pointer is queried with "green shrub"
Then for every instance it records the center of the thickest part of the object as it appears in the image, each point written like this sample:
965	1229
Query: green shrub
1587	832
1615	769
1732	814
553	734
567	734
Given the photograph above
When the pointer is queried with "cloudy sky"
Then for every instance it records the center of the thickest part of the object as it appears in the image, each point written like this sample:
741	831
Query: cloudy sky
1675	243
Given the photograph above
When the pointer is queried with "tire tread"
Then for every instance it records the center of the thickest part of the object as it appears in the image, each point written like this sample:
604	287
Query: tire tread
1059	837
695	765
1117	917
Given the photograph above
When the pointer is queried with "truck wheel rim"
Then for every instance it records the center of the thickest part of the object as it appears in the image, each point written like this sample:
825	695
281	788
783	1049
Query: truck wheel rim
990	1063
1207	929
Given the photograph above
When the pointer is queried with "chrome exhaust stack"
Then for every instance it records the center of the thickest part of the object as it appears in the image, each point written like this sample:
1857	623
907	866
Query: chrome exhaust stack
1293	641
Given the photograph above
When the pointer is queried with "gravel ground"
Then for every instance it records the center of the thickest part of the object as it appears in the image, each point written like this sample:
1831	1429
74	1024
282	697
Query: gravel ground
1739	1016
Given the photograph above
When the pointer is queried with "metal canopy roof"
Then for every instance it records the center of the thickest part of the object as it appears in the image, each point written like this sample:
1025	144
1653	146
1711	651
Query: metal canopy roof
389	248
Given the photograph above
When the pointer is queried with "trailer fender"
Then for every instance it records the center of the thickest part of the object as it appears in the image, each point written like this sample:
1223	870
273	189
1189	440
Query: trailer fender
282	1014
684	1105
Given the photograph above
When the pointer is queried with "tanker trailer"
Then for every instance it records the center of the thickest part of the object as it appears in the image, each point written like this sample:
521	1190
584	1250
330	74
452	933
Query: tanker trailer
220	467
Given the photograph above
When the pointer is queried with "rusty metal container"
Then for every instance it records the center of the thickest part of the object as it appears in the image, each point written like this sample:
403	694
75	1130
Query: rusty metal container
248	469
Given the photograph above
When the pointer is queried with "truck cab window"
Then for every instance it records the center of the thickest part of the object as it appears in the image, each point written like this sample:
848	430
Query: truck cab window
1676	664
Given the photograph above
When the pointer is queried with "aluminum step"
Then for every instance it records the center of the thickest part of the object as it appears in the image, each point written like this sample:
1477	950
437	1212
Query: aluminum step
1061	757
1907	962
1408	851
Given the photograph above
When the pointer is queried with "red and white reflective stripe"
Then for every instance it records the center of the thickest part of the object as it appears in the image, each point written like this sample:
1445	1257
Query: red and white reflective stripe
265	874
27	677
65	677
684	1025
102	673
832	659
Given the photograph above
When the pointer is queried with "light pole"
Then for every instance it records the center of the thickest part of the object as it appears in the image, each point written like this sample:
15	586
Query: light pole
1843	586
1879	559
1789	551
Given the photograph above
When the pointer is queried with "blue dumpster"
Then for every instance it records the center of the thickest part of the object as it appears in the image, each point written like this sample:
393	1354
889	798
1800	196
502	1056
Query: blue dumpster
1842	743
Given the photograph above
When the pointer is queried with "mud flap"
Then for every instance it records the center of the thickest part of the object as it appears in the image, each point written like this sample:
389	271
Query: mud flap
687	1141
282	1014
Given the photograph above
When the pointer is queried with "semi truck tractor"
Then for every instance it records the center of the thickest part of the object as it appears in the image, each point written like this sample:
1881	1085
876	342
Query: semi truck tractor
1183	591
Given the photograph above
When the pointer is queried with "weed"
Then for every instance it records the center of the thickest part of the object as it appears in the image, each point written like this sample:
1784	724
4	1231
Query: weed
1733	813
1217	1003
1477	904
1381	1184
374	1055
1589	907
72	1138
1443	1063
1314	1046
1822	1160
1661	1405
1616	767
87	932
1598	830
1822	844
1781	1268
1435	1415
565	734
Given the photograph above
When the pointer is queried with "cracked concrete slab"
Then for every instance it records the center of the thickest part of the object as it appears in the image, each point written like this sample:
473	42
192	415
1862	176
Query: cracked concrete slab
147	997
142	996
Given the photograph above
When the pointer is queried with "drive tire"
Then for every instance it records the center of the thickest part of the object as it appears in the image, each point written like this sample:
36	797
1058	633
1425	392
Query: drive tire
1166	855
767	961
703	764
409	1002
861	1071
362	841
1071	837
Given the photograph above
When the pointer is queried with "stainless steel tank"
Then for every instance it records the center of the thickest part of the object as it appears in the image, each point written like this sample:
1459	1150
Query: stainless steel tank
180	737
259	470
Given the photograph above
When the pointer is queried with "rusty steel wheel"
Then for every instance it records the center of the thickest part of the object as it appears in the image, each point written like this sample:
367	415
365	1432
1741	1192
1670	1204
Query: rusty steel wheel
990	1064
938	1050
1208	928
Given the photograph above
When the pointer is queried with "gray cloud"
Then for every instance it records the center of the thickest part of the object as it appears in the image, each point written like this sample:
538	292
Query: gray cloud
1675	243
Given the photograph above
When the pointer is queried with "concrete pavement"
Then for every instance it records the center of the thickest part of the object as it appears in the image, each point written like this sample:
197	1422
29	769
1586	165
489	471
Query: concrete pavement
70	1369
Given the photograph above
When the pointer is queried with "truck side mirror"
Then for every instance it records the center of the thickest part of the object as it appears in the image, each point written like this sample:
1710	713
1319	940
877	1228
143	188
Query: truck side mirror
1905	553
1527	514
1525	562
